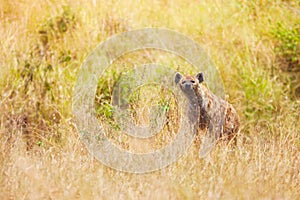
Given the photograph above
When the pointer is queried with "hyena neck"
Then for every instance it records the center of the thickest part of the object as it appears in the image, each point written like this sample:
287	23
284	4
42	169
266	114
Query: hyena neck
201	96
193	99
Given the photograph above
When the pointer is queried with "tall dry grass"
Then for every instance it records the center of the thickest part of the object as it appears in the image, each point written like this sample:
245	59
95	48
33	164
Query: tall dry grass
43	44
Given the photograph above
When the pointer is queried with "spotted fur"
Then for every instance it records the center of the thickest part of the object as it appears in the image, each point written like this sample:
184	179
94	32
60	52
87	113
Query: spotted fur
207	110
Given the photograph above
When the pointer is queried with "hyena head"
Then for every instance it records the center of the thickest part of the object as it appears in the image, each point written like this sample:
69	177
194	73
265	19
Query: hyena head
189	84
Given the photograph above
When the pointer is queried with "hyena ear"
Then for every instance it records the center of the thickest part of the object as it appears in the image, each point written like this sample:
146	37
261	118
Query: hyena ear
178	76
200	77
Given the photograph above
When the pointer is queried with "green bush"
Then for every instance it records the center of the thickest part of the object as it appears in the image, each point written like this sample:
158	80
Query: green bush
287	51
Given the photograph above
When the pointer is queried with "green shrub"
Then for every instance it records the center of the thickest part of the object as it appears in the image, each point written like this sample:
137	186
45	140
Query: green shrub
288	56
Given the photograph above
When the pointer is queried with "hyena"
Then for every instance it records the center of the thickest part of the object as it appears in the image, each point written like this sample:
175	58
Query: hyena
208	112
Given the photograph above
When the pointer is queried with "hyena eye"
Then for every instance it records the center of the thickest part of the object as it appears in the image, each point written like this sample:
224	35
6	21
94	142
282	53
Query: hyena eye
192	81
183	82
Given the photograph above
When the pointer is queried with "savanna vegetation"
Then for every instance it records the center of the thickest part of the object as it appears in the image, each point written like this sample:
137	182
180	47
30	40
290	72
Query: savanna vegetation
254	44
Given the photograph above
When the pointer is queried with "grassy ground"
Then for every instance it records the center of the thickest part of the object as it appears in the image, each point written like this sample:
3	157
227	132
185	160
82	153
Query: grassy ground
254	44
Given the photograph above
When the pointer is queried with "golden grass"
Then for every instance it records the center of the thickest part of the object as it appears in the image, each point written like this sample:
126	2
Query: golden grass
43	44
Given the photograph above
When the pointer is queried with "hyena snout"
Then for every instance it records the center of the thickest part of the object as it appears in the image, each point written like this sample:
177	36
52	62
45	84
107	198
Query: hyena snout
187	85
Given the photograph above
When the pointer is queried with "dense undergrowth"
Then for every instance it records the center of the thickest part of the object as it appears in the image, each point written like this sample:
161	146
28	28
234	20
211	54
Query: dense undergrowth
254	44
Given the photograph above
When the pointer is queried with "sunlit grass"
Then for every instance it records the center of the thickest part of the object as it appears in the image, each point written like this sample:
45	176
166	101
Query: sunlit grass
43	44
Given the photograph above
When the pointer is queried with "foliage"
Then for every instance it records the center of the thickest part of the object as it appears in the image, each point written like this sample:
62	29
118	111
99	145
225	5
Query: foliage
254	45
288	55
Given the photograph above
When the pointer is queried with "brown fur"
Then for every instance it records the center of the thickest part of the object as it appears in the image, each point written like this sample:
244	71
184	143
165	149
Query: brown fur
213	113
